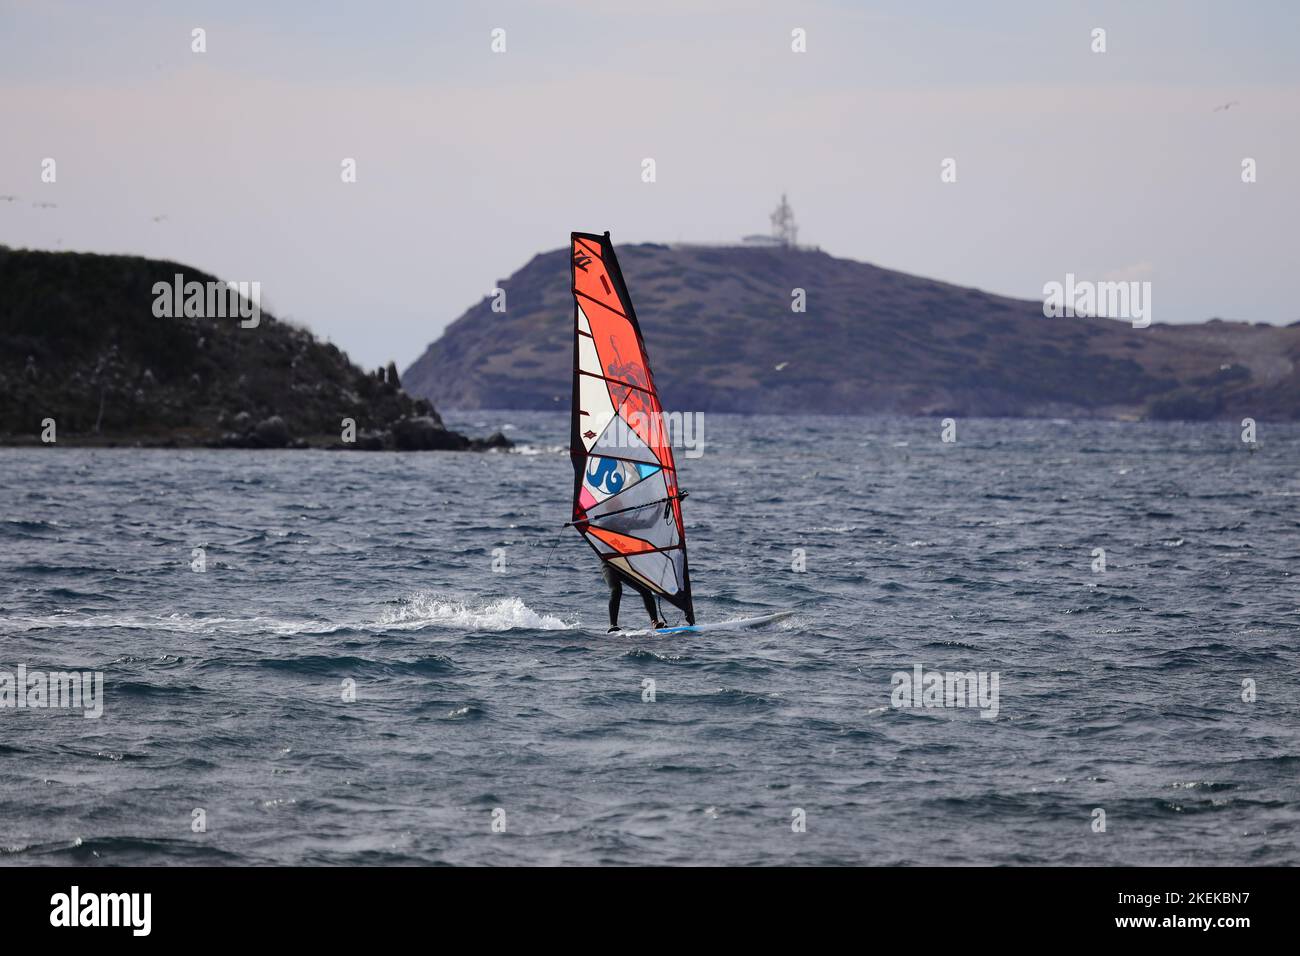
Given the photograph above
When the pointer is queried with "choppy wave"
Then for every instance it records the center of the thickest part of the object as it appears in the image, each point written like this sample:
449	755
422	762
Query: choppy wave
428	609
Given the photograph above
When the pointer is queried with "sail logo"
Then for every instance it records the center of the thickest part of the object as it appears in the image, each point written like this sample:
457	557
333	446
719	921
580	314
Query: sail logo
945	689
56	690
73	909
624	371
605	475
628	386
1108	300
209	300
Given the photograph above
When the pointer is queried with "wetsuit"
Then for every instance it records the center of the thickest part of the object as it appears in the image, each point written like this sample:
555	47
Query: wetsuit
615	582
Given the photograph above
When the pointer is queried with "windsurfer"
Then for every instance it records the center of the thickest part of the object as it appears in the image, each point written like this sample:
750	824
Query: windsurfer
615	582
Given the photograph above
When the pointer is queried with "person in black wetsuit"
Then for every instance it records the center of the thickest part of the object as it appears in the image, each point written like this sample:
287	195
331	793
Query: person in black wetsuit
615	582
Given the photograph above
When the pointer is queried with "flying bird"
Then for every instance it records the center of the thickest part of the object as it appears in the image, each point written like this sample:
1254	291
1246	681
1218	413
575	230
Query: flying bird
781	366
162	218
46	205
1226	106
7	198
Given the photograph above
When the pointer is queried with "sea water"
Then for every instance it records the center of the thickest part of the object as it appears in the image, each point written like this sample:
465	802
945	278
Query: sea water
316	657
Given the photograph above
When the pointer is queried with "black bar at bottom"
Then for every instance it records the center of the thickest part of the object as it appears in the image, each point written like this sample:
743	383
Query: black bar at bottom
946	907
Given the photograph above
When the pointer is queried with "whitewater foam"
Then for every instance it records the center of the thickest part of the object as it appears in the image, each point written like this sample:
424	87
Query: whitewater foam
423	609
175	621
503	614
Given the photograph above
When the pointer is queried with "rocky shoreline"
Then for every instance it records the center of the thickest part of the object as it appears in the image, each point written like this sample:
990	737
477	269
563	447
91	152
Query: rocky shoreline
421	433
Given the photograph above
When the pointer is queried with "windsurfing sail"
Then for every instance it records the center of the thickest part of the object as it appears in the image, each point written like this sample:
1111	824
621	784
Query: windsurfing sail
625	499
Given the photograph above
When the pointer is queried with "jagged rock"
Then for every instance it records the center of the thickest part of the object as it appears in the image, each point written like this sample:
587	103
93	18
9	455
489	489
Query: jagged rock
424	434
415	434
271	433
424	407
495	440
369	441
391	374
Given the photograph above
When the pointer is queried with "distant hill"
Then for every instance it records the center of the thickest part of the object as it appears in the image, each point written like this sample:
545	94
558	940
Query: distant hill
80	344
718	324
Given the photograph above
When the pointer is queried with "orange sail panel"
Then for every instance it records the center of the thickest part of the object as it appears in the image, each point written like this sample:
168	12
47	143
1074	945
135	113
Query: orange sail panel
625	498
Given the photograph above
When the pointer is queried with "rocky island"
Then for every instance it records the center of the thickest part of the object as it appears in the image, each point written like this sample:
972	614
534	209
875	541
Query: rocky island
87	357
867	341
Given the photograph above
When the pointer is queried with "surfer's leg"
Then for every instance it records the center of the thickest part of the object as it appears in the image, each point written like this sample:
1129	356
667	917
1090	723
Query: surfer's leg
615	598
615	592
650	608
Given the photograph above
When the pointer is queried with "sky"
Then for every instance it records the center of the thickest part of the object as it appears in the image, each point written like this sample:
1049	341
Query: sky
1113	165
